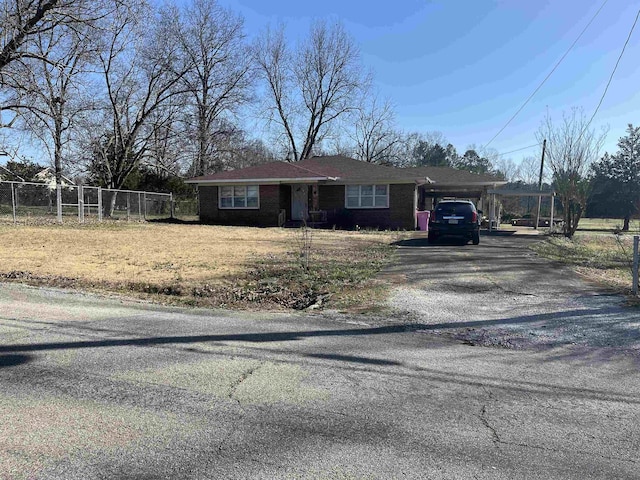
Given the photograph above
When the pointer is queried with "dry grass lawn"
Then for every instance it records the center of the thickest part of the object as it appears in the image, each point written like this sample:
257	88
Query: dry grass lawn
211	265
603	258
610	224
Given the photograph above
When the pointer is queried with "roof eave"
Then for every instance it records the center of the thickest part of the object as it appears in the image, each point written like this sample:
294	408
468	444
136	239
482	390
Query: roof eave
259	181
470	184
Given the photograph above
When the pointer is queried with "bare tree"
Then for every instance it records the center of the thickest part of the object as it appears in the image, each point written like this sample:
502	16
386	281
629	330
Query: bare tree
375	135
529	170
21	20
237	151
23	24
167	146
506	168
48	96
218	78
311	87
571	148
142	70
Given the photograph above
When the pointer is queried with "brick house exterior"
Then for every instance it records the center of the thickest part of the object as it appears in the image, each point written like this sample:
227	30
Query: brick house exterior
273	198
333	191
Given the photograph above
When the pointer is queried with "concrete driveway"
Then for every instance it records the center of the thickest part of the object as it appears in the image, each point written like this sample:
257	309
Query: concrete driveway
95	387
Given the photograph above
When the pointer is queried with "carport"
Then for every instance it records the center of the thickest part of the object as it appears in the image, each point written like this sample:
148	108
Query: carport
518	193
479	193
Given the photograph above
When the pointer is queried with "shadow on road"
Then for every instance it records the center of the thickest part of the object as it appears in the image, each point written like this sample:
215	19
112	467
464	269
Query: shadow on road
9	356
14	360
602	318
352	358
423	242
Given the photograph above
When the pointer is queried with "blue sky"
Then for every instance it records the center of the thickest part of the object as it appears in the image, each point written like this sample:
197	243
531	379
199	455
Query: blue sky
464	67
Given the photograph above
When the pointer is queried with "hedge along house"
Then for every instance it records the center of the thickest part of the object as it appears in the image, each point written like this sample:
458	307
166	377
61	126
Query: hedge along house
323	191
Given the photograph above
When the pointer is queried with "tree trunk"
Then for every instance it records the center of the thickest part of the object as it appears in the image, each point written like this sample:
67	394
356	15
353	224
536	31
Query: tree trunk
109	206
625	225
112	203
57	155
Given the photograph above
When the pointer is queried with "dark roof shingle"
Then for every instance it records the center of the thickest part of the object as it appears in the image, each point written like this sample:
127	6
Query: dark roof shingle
345	169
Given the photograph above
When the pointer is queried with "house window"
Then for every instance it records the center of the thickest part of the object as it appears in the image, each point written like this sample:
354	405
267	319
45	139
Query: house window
239	197
367	196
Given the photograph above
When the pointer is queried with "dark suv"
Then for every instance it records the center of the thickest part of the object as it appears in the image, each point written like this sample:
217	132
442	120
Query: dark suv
455	218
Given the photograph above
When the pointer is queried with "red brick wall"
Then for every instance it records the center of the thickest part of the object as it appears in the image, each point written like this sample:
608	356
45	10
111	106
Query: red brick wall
271	199
400	213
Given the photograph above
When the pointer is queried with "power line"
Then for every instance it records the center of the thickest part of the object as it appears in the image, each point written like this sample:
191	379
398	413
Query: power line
518	150
548	75
612	73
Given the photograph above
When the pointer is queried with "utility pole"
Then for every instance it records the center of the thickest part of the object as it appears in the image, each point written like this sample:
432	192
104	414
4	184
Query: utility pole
544	147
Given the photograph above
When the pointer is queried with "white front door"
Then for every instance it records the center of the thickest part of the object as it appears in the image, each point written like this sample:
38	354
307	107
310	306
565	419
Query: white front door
299	202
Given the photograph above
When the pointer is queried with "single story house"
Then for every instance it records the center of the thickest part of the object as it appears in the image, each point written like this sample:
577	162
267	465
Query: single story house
332	190
48	175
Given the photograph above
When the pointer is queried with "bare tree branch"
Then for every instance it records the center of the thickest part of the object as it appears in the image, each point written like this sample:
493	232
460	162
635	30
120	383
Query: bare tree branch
218	78
310	88
375	135
571	148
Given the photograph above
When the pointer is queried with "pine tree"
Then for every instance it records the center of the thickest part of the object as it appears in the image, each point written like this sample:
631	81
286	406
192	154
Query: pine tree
619	175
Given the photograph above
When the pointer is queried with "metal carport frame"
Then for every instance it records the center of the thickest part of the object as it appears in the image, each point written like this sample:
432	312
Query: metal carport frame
516	193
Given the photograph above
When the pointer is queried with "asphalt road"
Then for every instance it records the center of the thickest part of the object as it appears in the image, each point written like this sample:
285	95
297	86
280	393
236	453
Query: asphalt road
449	383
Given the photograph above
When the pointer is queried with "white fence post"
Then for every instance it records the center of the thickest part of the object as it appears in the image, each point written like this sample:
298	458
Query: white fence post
636	261
59	202
128	206
13	202
139	206
80	204
99	204
145	204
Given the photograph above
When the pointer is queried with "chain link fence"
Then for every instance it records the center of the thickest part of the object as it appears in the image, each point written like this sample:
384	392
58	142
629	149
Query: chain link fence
38	203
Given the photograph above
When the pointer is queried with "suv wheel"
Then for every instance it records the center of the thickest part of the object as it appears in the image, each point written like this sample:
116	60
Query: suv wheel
432	237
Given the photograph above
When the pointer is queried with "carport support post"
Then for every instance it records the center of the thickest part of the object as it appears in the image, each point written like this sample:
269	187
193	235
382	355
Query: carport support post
636	261
492	212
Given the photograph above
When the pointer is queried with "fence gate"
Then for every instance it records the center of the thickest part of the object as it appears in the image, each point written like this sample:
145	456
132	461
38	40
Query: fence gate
86	198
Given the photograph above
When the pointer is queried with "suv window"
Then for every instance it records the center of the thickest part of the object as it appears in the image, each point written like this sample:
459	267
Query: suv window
454	208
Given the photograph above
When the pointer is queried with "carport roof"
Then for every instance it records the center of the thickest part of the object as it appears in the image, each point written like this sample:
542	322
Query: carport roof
523	193
452	176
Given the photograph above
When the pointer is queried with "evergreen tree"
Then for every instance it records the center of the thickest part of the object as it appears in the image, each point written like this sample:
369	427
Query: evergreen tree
616	178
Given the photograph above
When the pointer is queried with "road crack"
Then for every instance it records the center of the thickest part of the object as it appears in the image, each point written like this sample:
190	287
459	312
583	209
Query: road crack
497	441
235	385
581	452
494	434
